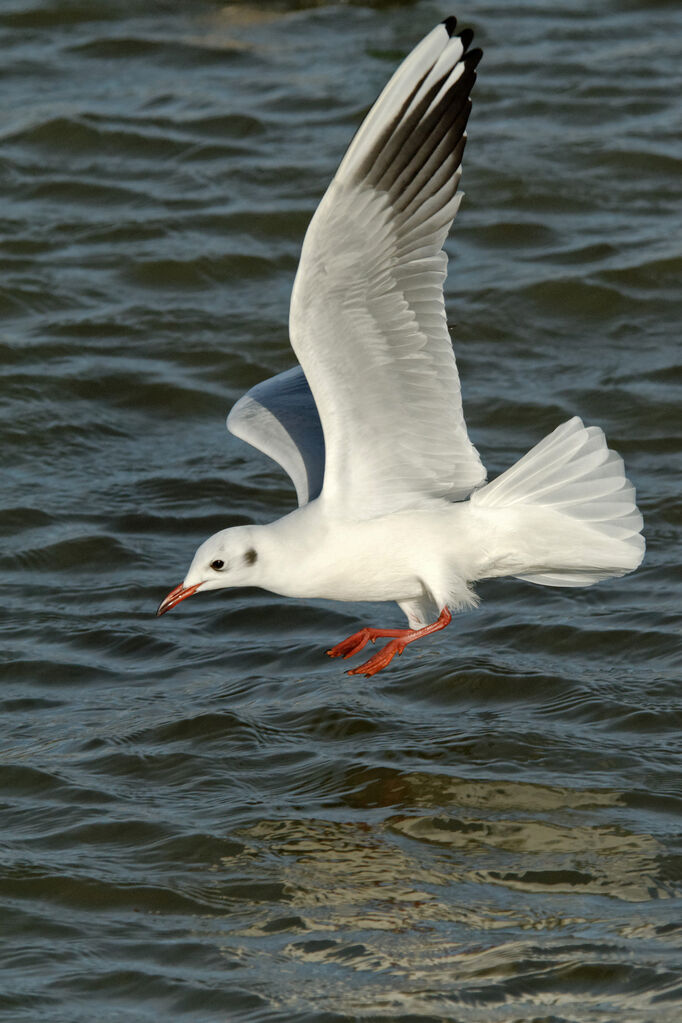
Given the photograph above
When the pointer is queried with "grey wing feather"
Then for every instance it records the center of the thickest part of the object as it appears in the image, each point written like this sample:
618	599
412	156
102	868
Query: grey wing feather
280	418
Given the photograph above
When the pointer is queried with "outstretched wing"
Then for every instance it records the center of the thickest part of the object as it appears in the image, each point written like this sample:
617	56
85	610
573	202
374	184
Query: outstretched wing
367	318
279	417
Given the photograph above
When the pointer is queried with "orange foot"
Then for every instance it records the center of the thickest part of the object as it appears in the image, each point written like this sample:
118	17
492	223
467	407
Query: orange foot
399	640
355	643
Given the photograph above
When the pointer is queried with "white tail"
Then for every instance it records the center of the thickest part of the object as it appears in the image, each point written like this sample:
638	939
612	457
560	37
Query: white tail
573	473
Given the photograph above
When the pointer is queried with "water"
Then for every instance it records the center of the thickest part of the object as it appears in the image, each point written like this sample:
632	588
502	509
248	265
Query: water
202	817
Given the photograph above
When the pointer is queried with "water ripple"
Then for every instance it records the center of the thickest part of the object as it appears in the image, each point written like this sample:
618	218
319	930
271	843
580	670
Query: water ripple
203	817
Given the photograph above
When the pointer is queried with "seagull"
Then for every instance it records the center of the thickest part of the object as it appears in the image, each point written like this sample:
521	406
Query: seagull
393	503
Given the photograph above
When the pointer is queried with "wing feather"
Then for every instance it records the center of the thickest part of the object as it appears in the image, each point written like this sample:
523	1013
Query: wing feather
278	416
367	314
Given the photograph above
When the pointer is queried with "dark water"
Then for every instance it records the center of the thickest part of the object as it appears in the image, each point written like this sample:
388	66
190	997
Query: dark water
202	818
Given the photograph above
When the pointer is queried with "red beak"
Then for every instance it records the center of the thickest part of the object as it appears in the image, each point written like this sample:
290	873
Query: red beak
175	596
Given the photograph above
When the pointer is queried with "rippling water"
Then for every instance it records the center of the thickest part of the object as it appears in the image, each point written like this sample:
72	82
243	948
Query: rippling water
202	817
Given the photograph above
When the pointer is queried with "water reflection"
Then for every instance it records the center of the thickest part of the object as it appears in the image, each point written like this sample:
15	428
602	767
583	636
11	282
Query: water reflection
596	859
386	787
432	909
403	870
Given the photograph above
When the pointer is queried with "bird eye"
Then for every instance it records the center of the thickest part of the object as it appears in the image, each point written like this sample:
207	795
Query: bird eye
217	565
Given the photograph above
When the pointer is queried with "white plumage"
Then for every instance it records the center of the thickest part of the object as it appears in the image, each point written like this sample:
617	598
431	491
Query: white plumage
370	424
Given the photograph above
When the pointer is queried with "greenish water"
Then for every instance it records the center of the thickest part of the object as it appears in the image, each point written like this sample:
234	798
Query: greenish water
202	818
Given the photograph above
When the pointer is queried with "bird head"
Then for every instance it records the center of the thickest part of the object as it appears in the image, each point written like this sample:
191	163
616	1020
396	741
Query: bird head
228	558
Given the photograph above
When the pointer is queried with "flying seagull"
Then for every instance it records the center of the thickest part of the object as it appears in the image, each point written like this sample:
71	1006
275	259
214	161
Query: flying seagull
392	499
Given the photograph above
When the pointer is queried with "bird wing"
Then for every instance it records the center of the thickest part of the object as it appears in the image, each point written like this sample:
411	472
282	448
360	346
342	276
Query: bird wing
367	319
279	417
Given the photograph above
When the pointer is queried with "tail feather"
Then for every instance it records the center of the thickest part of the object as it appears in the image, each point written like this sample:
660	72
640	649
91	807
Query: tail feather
573	473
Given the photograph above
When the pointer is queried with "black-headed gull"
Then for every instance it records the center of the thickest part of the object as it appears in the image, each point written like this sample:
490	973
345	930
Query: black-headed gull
391	494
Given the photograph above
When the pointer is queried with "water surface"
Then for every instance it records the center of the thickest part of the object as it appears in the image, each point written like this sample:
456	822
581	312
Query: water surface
202	817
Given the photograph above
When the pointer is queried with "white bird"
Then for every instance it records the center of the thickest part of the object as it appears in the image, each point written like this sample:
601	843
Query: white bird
391	494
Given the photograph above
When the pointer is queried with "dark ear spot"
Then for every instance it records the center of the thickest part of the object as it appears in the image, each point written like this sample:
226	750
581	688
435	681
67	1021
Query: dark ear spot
251	557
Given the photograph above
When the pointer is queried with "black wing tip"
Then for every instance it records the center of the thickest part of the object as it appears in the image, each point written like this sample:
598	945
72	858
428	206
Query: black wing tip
466	36
473	57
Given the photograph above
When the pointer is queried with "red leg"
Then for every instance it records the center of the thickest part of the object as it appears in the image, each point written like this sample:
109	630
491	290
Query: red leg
355	643
401	637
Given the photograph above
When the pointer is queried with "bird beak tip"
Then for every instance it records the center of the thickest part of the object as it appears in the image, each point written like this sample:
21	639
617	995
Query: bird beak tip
180	592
